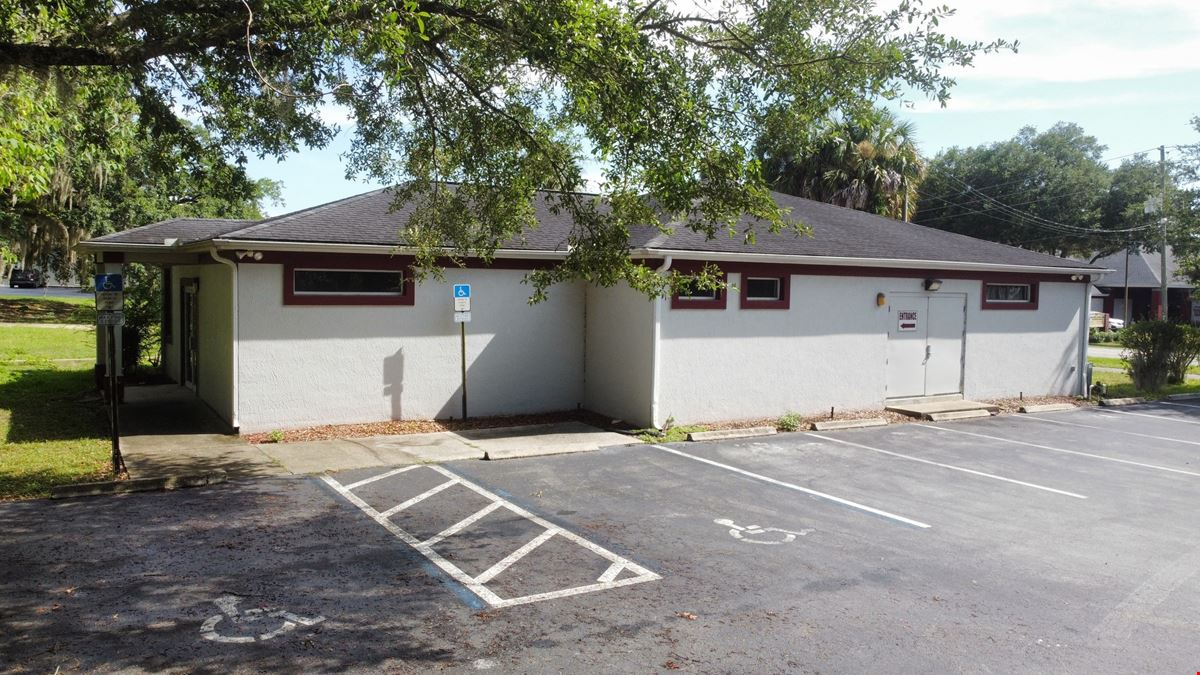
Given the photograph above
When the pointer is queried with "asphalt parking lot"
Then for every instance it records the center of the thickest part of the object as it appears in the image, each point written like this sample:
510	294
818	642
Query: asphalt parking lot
1063	542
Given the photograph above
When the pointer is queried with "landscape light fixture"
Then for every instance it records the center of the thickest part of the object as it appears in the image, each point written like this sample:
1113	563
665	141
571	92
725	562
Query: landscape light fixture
933	284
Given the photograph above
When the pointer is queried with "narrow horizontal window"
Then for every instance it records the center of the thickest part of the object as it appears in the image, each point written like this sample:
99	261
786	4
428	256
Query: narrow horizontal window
348	282
1008	293
763	288
699	294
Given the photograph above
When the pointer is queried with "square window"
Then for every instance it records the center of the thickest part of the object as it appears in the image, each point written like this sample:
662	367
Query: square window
763	288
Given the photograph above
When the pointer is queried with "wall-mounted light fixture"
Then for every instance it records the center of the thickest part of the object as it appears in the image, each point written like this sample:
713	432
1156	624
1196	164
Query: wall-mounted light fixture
253	255
1076	277
880	299
933	284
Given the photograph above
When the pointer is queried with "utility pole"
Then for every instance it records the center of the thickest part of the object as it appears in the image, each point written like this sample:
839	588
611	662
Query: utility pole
1162	301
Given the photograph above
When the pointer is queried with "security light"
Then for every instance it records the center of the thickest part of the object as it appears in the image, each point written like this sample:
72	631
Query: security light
933	284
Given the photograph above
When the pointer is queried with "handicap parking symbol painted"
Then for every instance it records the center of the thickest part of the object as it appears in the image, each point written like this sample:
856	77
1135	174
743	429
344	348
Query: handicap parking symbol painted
286	621
753	534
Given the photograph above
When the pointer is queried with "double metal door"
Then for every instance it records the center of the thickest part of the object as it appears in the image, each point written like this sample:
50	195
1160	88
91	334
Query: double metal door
925	344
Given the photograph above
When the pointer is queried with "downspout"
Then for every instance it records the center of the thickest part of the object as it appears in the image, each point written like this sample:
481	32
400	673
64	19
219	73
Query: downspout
662	269
1085	330
234	309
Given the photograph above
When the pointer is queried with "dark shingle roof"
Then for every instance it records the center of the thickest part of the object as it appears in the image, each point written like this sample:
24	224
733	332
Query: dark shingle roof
1144	270
837	232
186	230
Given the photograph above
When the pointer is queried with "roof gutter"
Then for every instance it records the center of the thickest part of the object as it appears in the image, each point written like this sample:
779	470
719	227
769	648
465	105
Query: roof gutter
830	261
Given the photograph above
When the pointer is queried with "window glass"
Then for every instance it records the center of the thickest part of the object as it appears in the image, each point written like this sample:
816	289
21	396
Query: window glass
762	288
690	292
1008	292
349	282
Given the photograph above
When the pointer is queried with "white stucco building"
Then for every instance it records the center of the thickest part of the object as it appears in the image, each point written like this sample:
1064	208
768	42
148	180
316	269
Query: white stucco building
314	318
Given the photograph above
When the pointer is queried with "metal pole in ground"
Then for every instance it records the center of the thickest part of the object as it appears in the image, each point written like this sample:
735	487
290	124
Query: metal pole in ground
118	462
463	333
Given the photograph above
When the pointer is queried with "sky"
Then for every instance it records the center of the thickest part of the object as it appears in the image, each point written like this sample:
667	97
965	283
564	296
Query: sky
1127	71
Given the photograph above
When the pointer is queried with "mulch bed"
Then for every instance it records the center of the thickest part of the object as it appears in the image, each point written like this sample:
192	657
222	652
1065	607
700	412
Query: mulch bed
402	427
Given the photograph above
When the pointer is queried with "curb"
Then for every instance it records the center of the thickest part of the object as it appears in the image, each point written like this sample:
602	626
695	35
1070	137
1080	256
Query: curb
1110	402
730	433
834	425
957	415
113	487
1182	397
1046	407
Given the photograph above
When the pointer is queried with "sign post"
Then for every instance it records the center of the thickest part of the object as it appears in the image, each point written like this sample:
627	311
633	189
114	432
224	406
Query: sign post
462	316
110	305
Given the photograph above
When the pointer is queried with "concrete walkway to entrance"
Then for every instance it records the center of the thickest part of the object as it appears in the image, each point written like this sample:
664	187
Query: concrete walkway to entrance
167	430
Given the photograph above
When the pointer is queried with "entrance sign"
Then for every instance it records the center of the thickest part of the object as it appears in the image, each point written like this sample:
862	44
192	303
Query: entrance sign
906	320
462	298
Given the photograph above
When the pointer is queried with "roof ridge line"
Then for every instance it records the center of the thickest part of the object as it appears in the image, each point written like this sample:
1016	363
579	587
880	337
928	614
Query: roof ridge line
265	222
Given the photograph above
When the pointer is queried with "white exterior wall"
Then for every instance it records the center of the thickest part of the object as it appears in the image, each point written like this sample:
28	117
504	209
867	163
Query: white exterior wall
1035	352
620	346
214	379
310	365
830	349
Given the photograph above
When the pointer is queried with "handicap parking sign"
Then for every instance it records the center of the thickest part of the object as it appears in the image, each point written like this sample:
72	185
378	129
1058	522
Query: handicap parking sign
462	298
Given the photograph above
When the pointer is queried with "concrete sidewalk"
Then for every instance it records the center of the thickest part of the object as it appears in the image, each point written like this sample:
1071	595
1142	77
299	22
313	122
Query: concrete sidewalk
158	454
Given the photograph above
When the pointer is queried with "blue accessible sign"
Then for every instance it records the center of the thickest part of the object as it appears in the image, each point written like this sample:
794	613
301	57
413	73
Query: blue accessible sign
110	282
462	302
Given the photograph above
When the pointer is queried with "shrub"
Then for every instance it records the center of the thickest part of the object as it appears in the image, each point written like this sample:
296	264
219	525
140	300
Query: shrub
276	436
1159	352
789	422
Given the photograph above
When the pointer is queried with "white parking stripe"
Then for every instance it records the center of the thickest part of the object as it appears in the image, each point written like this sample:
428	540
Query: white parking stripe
477	585
462	524
952	467
508	561
1069	452
381	476
790	486
427	551
1157	417
1108	429
419	498
1182	405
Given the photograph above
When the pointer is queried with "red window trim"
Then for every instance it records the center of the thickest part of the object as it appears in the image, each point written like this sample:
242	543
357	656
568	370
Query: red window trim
784	301
365	262
992	304
717	303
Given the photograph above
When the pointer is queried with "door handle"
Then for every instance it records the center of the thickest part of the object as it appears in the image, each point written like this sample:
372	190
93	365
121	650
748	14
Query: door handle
928	352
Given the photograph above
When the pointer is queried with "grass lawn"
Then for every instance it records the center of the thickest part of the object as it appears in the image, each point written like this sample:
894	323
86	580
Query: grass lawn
1119	386
1105	362
52	432
48	310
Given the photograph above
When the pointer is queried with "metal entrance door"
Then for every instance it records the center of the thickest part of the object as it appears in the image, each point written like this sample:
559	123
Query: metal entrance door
189	324
925	344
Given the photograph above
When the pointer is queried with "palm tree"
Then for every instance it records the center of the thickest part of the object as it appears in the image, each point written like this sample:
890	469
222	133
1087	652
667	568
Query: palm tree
867	162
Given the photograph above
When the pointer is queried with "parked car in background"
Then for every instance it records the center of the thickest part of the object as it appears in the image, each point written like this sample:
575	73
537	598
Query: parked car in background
26	279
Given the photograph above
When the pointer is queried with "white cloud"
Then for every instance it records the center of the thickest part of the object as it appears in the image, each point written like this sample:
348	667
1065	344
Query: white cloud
1000	103
1080	40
